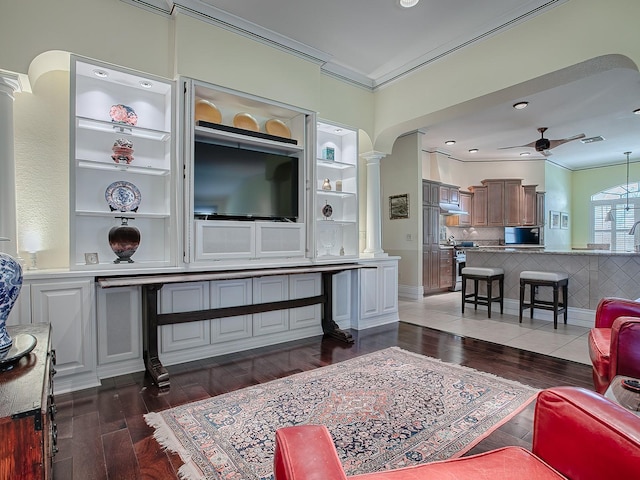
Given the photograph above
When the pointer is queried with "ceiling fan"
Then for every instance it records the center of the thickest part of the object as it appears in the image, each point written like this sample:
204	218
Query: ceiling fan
543	145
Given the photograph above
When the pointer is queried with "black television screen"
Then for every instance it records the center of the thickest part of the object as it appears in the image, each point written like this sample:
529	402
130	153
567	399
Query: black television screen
522	235
235	183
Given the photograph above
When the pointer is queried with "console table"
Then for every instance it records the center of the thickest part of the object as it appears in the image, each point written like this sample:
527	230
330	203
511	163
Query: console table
151	319
27	410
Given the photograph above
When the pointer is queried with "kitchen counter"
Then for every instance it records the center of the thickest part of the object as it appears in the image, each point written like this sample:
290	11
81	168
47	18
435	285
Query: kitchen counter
593	274
542	250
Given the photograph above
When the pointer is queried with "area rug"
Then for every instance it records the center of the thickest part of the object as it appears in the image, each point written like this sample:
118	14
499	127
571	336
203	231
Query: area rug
385	410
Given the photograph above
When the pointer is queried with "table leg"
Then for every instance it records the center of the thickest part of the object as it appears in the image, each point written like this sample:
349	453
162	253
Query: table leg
329	326
152	363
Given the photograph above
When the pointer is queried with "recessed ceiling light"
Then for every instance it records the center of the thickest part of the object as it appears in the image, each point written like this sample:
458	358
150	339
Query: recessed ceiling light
408	3
100	73
450	142
338	130
520	105
525	154
473	150
145	84
637	111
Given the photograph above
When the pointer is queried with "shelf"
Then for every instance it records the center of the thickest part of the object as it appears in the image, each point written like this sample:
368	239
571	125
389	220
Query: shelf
134	215
333	193
329	222
122	167
122	129
236	138
335	165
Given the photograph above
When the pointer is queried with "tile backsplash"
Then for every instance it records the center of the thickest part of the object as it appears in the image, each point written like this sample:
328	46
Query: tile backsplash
481	236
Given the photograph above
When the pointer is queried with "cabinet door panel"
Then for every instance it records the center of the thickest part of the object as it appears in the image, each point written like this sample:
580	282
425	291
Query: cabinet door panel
68	307
270	289
389	284
184	298
301	286
495	204
119	325
512	202
370	287
231	293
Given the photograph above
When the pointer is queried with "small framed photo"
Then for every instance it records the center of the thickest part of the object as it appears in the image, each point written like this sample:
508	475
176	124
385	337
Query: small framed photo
564	220
554	219
399	206
91	258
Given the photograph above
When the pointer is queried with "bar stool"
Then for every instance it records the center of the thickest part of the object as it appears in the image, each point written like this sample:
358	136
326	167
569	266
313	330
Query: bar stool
535	279
485	274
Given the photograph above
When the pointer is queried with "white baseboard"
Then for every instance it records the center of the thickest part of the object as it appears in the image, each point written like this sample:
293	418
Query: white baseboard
410	292
580	317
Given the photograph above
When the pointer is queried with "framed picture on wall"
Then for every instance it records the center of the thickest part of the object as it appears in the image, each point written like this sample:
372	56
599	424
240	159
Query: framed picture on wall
554	219
564	220
399	206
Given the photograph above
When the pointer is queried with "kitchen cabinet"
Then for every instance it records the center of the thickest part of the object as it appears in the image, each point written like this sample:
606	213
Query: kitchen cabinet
503	202
540	215
479	206
449	194
446	268
431	236
466	205
529	205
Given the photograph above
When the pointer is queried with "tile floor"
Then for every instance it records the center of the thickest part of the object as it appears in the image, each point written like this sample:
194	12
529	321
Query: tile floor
443	312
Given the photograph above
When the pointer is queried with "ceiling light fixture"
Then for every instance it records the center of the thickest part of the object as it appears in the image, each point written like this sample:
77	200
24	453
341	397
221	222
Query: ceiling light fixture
637	111
408	3
100	73
145	84
450	142
520	105
473	150
525	154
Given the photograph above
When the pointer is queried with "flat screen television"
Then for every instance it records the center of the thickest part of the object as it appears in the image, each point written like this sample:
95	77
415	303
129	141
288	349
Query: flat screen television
522	235
238	184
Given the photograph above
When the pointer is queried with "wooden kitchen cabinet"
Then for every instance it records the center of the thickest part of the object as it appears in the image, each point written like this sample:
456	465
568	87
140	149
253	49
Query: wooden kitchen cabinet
540	216
27	410
466	205
504	199
449	194
529	205
430	236
479	206
446	268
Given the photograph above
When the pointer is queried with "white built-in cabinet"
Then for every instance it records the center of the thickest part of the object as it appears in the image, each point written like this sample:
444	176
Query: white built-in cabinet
225	241
96	89
336	195
378	292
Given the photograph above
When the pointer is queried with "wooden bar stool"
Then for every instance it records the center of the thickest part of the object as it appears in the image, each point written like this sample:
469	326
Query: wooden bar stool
484	274
535	279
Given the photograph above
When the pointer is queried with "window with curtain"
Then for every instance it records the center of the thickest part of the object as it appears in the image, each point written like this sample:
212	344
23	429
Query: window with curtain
625	211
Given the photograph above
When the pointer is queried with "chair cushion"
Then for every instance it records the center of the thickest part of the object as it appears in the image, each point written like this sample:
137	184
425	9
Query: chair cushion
482	271
543	276
504	463
600	350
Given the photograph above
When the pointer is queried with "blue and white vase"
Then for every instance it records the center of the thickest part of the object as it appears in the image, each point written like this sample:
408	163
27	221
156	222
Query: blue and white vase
10	285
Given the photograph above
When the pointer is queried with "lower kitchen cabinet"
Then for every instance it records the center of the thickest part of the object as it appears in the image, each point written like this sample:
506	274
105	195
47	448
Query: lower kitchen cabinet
446	268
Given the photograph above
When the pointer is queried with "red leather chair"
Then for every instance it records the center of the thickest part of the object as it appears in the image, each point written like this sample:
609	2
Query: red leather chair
577	434
614	342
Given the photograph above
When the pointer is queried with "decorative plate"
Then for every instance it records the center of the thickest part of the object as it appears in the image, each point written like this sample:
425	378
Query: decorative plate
246	122
327	210
123	196
207	111
277	128
123	114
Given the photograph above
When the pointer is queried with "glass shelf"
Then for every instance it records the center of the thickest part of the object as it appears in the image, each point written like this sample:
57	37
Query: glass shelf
122	129
333	193
335	165
102	213
236	138
122	167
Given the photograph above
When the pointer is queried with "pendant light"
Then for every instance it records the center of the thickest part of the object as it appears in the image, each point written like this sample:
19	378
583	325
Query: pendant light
610	217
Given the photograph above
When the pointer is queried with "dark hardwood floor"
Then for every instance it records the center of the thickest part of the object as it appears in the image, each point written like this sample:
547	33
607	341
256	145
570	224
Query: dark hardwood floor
102	435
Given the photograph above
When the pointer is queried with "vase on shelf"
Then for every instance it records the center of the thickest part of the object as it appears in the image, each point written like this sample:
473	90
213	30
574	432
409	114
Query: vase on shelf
326	185
124	240
10	285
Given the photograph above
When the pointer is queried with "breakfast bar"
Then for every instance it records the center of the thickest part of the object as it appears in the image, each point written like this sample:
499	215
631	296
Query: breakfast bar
593	274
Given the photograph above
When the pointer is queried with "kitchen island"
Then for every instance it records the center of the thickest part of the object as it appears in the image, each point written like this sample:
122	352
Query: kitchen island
593	274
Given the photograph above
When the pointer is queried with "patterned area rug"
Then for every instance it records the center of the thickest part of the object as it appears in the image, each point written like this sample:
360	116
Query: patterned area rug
385	410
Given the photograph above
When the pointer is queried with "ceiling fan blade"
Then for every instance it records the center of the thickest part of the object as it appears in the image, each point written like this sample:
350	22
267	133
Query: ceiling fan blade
528	145
556	143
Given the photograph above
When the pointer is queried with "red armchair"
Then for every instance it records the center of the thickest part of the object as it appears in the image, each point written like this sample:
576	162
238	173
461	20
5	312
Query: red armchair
577	434
614	342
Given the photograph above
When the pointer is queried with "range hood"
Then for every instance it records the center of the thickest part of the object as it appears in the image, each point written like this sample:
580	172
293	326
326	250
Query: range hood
451	209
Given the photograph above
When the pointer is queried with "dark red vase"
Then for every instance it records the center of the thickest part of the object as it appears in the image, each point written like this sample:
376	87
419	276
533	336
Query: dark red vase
124	240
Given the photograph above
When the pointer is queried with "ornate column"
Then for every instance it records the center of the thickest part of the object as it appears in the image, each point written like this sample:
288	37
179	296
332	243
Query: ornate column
9	84
374	206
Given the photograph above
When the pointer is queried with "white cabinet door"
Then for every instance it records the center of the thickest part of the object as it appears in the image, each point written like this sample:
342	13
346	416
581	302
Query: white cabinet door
389	283
184	297
21	311
342	298
302	286
119	330
231	293
68	306
270	289
369	292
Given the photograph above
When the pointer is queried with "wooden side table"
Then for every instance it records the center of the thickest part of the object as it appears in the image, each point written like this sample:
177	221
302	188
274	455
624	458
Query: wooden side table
27	410
623	396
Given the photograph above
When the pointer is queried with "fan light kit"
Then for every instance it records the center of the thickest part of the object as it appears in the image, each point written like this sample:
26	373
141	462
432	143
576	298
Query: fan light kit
543	145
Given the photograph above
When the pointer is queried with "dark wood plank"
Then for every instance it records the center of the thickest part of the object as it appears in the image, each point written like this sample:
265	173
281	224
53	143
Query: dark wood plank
109	416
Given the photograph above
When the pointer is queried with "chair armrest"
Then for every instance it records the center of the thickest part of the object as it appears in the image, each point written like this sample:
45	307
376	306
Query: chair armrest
611	308
625	347
306	452
584	435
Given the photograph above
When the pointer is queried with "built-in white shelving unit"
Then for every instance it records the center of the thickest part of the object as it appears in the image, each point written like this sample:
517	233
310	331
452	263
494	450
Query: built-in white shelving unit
96	89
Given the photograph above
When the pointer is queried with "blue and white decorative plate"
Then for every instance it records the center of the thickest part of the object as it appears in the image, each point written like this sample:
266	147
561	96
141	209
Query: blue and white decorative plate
123	196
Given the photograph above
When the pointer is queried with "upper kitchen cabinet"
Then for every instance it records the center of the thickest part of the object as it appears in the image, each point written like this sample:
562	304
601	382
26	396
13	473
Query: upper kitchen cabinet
246	162
504	199
121	168
336	191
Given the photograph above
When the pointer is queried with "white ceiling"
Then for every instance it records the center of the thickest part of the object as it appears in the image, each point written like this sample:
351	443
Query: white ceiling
373	42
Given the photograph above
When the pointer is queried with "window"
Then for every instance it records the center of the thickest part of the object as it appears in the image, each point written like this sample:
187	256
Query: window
625	211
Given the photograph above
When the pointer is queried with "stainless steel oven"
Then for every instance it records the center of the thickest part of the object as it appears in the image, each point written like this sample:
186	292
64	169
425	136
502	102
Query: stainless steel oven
459	261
